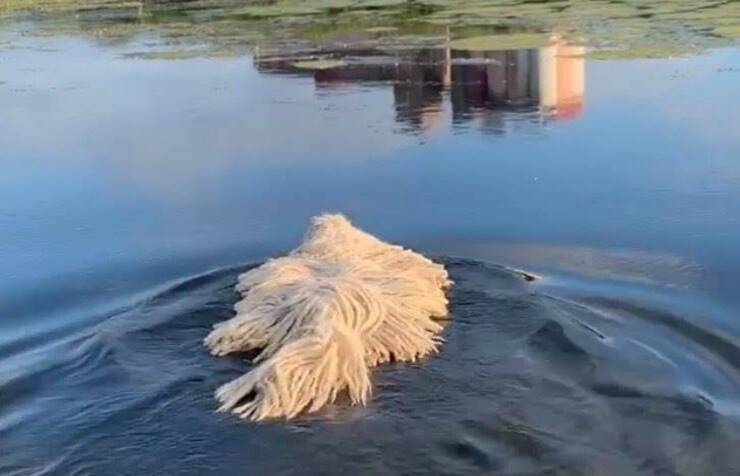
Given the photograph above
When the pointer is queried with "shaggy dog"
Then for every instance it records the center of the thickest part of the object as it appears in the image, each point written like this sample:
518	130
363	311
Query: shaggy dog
340	303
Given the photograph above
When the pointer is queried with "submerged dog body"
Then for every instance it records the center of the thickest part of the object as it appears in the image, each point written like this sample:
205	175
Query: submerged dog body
340	303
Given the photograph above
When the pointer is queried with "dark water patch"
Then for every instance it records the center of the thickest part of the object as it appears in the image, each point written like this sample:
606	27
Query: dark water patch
551	338
506	394
518	438
470	450
611	390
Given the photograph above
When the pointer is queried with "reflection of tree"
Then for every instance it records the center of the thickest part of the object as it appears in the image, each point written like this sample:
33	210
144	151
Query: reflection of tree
492	87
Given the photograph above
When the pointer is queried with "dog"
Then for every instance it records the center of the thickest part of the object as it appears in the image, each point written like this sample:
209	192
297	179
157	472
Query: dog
323	316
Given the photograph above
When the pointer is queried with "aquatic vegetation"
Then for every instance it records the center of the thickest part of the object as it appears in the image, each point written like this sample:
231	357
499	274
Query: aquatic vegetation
184	54
626	27
322	316
640	53
499	42
318	64
732	31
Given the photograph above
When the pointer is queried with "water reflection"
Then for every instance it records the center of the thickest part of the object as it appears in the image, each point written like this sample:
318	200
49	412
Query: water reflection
437	86
118	175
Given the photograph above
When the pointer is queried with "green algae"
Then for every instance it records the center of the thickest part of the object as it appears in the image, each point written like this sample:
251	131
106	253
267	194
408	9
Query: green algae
645	52
500	42
318	64
190	28
730	31
184	54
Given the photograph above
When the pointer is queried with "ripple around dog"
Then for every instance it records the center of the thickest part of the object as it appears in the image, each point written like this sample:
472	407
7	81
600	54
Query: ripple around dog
339	304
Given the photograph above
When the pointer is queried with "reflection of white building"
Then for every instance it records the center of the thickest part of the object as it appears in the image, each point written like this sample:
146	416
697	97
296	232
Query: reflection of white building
562	79
493	87
551	78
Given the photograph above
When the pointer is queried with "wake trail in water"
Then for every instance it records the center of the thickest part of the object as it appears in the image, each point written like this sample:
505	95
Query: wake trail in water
529	380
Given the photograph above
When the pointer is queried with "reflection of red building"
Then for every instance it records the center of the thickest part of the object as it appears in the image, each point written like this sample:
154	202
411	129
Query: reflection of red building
562	79
493	86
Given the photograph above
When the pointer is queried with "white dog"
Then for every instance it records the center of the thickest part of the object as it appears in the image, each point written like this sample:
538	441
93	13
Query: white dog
339	304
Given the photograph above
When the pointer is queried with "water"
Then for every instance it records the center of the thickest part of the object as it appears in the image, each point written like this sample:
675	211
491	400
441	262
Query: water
133	191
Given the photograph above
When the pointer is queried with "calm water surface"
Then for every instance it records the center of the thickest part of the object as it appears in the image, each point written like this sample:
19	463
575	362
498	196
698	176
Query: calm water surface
133	191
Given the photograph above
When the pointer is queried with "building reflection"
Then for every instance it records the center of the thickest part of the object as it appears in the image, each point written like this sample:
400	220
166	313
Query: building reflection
434	87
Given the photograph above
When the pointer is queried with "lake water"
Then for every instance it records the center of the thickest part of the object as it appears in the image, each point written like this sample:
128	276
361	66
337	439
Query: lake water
133	191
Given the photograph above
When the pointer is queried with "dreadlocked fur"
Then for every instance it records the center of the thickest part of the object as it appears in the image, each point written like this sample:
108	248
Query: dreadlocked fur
339	304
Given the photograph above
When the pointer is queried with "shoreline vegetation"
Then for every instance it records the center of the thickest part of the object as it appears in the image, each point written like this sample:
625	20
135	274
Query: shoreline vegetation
216	28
